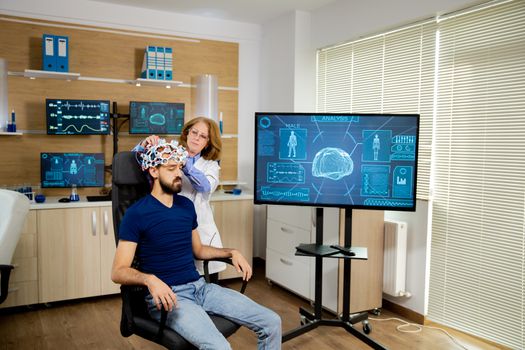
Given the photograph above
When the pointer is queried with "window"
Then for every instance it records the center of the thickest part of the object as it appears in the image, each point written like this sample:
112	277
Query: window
388	73
465	74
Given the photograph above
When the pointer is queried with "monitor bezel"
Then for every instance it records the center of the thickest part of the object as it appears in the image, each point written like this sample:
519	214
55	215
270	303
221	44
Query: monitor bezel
82	133
256	200
170	103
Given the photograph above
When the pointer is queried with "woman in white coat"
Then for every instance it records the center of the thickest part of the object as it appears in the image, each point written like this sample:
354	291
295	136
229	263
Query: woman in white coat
201	138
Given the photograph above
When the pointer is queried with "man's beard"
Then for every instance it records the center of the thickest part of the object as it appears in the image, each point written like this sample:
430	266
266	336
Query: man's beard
174	187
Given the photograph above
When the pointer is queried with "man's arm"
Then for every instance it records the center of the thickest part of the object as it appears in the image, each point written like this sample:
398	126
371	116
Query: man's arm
206	252
123	273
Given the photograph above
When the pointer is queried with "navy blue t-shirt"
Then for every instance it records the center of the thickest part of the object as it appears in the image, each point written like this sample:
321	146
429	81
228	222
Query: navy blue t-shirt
163	236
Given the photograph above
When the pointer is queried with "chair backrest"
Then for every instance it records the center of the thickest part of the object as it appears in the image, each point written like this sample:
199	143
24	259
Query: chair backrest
129	184
14	207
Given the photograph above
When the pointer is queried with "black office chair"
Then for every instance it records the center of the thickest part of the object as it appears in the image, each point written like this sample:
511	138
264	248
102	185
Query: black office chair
128	185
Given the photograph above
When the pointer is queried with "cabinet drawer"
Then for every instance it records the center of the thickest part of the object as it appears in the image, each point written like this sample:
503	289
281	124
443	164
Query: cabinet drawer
284	238
25	270
289	271
296	216
21	293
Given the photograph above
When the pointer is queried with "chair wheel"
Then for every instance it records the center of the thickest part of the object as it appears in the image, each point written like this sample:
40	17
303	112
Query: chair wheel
270	283
366	327
303	320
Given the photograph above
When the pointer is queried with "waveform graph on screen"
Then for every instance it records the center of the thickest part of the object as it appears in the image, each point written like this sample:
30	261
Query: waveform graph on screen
77	117
344	160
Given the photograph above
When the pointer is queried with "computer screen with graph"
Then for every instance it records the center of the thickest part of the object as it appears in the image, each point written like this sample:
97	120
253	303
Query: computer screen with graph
366	161
77	117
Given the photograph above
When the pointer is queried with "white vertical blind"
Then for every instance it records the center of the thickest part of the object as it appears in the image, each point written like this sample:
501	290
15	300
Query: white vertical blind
389	73
477	270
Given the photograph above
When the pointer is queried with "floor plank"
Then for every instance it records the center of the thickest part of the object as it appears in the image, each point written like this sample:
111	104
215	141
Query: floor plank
94	324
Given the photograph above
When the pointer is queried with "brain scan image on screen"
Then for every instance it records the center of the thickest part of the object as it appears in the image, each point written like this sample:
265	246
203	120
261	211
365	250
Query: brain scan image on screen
336	159
332	163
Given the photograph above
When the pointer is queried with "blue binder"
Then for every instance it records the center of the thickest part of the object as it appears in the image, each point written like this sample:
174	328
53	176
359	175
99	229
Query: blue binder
168	63
62	53
149	70
160	63
49	60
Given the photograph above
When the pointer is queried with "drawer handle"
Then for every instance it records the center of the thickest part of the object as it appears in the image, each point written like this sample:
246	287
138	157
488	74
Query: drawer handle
13	289
286	230
94	223
106	222
286	262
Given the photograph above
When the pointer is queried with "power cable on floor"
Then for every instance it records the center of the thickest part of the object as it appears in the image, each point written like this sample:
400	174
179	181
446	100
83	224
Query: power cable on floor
418	328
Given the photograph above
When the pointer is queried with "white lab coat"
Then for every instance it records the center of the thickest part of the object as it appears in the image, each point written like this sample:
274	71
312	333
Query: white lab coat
208	231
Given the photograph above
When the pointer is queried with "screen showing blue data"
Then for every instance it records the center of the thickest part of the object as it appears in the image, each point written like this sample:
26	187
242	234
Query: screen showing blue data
156	118
67	169
77	117
343	160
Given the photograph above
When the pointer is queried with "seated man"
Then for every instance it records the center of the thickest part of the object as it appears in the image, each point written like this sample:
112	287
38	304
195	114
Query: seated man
161	229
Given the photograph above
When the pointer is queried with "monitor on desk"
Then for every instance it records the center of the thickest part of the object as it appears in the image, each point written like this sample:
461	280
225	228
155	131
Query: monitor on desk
164	118
77	117
59	170
362	161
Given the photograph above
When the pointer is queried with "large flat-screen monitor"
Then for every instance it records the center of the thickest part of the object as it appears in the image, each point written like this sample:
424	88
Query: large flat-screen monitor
77	117
58	170
163	118
365	161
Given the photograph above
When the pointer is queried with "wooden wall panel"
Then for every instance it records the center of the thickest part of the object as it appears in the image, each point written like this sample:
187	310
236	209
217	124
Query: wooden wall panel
103	54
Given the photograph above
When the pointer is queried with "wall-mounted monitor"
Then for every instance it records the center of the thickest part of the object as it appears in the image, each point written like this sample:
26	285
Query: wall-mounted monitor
365	161
162	118
77	117
59	170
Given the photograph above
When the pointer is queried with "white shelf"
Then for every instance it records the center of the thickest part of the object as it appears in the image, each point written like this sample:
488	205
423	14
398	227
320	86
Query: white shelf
231	182
154	82
229	136
5	133
33	74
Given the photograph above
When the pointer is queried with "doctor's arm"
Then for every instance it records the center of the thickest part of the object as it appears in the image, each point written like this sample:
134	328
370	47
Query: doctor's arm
205	252
123	273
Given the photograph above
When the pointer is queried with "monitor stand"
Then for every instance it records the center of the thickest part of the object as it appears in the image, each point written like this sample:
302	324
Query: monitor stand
346	321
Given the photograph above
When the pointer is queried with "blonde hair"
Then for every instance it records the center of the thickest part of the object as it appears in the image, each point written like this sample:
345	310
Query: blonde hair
213	148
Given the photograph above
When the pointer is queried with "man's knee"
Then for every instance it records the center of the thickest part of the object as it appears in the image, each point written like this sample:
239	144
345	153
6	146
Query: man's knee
273	323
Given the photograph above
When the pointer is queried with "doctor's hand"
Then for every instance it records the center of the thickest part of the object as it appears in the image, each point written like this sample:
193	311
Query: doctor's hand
241	265
162	294
150	141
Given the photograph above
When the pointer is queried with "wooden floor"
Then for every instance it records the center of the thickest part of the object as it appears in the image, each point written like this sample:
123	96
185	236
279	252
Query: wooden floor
94	324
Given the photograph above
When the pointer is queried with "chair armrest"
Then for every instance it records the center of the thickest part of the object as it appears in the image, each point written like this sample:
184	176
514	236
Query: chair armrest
224	260
5	272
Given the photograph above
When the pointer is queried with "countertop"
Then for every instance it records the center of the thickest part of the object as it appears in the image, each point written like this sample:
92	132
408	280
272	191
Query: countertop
53	203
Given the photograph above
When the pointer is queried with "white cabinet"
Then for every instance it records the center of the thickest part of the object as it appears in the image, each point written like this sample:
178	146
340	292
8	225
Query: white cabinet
234	220
75	252
287	227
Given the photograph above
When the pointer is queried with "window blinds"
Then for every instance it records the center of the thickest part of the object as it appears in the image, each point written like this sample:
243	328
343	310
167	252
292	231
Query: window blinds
388	73
477	272
477	269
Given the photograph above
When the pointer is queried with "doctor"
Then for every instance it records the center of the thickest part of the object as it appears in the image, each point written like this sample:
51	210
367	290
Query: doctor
201	138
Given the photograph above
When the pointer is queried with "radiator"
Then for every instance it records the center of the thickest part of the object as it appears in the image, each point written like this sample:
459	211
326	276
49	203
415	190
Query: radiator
395	258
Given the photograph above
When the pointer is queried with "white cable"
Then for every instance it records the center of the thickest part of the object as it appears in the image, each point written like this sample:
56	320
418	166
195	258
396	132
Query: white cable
418	329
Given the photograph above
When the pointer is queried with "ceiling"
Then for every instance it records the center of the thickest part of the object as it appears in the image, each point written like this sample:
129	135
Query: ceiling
249	11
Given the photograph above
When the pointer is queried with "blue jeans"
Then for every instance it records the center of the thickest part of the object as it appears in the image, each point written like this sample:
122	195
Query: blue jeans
191	321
